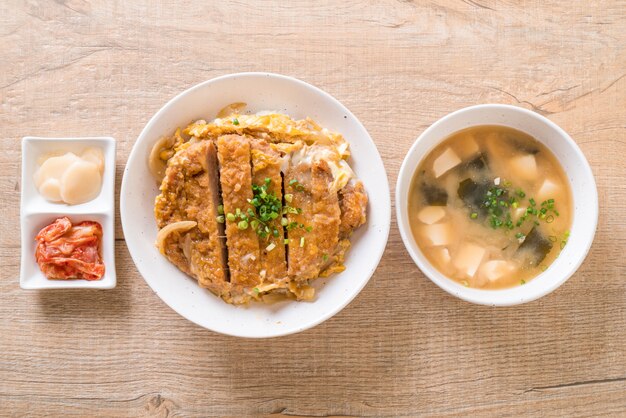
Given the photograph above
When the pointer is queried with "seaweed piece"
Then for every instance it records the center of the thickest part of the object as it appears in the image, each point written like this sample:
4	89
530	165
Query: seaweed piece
473	194
537	246
522	145
434	196
477	163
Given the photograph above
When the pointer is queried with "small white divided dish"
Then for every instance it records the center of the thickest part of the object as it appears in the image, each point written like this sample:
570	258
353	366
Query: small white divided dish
36	212
261	91
572	160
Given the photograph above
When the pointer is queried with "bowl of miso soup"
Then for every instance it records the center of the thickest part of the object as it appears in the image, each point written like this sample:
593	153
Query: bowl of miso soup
496	204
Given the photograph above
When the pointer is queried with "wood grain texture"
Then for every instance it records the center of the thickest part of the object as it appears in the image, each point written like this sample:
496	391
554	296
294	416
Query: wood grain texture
403	347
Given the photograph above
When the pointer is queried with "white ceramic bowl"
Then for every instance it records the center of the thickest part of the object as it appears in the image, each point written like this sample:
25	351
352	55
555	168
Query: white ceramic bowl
261	91
579	174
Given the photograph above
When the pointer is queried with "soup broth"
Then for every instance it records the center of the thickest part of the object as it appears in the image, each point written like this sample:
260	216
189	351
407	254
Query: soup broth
490	207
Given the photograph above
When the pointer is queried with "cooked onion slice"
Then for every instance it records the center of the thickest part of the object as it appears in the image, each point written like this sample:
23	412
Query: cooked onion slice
181	226
302	291
233	108
156	164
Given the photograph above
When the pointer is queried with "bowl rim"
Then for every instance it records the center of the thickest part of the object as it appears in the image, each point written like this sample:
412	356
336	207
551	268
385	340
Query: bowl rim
479	296
385	227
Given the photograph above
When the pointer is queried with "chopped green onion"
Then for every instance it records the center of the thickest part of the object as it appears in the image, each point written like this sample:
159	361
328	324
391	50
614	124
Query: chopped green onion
220	209
270	247
522	282
242	224
220	219
286	241
473	215
235	121
230	217
302	242
284	221
288	197
325	257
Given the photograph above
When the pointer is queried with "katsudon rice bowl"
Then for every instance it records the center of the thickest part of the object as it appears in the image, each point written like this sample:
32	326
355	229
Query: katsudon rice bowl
255	205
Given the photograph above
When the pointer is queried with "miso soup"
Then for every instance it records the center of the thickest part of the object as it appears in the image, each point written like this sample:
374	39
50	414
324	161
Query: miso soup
490	207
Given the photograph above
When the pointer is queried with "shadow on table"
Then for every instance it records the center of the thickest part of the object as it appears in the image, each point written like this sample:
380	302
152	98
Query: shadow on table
84	302
95	303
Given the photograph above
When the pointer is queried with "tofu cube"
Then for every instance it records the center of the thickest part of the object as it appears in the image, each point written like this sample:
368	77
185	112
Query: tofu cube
442	255
549	189
496	269
468	258
437	234
431	214
445	162
518	213
524	166
467	148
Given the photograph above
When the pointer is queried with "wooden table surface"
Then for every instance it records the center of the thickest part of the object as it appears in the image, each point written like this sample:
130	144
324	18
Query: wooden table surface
403	347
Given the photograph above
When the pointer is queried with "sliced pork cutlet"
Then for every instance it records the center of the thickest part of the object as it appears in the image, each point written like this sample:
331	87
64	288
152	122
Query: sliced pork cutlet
243	244
313	232
266	164
353	204
189	192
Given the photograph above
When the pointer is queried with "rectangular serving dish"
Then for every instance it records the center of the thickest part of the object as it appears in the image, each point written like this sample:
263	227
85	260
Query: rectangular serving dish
36	212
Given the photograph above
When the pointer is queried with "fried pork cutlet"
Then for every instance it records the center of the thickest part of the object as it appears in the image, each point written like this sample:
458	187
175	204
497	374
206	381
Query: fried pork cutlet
242	242
266	164
241	252
190	192
314	231
353	204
